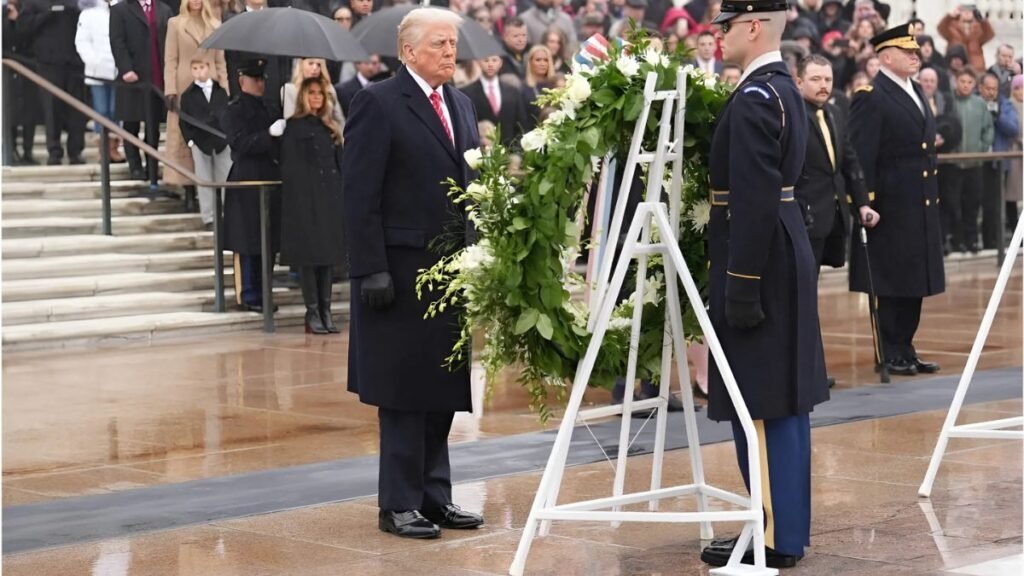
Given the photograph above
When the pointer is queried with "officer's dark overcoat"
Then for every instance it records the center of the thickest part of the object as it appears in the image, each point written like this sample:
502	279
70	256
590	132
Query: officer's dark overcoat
895	143
255	154
758	246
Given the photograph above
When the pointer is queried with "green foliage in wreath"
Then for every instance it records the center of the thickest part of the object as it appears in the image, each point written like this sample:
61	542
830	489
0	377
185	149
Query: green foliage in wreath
516	283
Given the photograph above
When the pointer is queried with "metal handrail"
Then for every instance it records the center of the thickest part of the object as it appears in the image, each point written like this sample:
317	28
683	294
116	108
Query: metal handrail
965	156
263	186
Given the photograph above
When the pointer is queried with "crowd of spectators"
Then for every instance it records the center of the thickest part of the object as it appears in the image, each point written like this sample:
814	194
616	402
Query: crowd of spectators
76	43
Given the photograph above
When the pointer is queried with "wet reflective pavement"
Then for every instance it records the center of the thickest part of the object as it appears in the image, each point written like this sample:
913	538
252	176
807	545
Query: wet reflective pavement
80	423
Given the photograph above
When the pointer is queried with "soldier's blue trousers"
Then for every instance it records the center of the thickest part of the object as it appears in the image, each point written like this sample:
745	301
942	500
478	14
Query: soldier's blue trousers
248	279
785	455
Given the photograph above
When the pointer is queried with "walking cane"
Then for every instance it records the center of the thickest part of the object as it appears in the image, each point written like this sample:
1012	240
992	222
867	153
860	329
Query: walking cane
876	334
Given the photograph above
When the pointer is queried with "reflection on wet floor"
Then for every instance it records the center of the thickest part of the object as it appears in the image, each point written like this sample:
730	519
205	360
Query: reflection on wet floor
79	423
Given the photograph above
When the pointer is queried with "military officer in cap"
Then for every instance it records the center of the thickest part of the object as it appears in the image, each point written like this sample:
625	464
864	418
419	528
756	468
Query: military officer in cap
893	132
763	278
252	127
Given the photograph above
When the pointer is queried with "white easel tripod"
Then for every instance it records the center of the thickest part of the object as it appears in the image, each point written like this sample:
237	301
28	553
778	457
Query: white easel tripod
996	429
652	214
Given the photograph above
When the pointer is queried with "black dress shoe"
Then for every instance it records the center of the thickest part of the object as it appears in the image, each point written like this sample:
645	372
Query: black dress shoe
717	554
54	161
137	173
409	524
451	516
255	308
925	367
901	367
76	161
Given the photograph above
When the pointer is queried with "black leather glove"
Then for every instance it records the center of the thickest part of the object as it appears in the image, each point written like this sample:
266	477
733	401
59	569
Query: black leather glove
743	315
377	291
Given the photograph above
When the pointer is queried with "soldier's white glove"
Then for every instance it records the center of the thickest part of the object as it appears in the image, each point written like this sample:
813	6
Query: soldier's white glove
191	143
277	128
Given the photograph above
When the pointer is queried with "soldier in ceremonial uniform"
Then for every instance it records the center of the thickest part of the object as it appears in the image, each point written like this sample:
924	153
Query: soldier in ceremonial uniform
893	132
252	127
763	278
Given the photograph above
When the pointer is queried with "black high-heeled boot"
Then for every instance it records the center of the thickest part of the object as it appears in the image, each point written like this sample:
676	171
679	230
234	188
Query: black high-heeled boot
308	284
324	285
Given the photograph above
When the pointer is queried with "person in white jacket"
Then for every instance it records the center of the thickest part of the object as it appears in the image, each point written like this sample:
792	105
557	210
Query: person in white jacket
92	41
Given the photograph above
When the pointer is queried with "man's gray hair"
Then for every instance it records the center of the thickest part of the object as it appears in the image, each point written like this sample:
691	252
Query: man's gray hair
413	26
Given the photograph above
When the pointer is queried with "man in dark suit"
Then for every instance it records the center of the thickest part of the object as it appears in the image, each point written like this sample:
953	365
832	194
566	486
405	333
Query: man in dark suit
366	72
252	127
763	289
893	131
498	102
832	181
137	32
704	57
404	138
49	27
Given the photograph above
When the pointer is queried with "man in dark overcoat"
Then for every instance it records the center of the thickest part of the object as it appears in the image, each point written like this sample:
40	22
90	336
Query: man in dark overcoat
137	32
49	26
252	127
403	138
763	297
893	131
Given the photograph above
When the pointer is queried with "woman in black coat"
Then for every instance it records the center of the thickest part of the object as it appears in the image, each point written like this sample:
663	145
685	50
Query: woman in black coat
312	236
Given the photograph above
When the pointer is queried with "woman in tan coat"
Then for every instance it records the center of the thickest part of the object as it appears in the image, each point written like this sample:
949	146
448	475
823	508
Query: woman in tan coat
185	32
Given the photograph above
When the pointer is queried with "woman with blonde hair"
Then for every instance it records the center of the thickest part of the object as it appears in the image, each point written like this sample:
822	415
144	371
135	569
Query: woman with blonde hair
312	236
185	32
540	74
305	69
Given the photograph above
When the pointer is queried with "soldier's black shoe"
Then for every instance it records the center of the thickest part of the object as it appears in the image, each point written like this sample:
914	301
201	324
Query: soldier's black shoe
901	367
925	367
409	524
717	554
451	516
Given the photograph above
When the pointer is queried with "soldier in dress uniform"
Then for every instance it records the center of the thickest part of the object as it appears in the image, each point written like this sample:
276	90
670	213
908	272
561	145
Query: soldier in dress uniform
764	296
252	127
893	132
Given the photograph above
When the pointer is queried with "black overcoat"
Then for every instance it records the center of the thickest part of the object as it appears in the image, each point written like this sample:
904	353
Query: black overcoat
312	233
255	154
826	193
195	104
397	157
130	44
759	249
895	143
513	118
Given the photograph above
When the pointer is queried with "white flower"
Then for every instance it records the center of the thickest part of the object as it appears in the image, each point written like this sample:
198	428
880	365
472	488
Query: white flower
652	293
557	117
595	164
710	82
535	139
699	215
577	88
475	257
688	69
476	190
473	157
620	323
656	58
569	108
627	65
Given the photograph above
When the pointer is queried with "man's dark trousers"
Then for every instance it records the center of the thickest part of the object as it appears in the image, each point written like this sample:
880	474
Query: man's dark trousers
898	319
991	204
59	116
415	473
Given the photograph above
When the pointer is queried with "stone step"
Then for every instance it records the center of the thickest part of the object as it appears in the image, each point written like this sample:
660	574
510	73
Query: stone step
14	248
130	282
121	225
96	264
145	328
91	138
71	190
83	172
141	303
43	208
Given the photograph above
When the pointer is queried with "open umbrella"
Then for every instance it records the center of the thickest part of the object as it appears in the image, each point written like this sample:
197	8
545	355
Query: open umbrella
378	33
287	32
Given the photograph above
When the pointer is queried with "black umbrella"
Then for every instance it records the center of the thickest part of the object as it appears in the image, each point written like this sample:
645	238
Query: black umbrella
379	34
287	32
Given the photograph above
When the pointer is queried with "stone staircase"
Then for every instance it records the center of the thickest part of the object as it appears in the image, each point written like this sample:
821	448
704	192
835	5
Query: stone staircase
65	284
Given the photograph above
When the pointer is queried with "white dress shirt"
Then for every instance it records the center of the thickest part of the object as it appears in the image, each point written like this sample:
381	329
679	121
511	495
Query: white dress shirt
207	88
766	58
427	91
907	86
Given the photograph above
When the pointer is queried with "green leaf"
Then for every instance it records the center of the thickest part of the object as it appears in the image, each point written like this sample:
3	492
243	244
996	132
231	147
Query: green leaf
633	108
544	327
591	136
546	186
604	96
520	223
551	296
528	320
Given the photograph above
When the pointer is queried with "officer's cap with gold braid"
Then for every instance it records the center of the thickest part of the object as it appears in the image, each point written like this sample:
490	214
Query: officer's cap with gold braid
898	37
734	8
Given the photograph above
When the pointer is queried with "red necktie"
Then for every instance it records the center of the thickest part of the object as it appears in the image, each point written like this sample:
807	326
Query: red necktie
146	6
494	99
435	99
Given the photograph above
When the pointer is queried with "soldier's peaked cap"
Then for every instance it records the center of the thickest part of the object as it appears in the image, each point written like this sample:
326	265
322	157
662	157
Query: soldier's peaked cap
734	8
898	37
253	67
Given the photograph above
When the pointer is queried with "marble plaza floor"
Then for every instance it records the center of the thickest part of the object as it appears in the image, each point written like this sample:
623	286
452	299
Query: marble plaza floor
119	423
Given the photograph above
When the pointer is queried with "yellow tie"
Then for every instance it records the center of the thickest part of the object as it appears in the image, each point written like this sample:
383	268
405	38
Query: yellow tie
828	137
